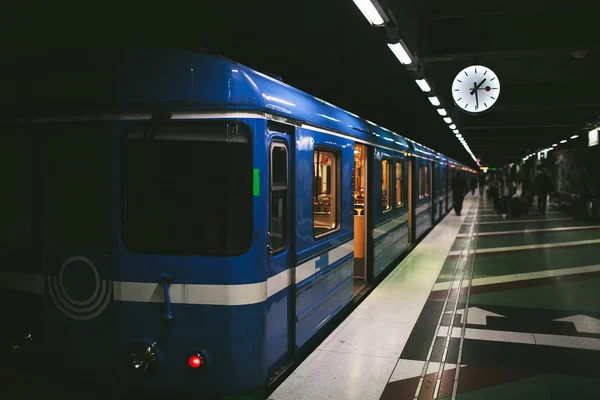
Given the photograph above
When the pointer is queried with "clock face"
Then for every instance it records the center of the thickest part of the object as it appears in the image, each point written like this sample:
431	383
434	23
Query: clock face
475	89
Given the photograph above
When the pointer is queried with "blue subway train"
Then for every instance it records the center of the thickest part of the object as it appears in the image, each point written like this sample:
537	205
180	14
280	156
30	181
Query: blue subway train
176	220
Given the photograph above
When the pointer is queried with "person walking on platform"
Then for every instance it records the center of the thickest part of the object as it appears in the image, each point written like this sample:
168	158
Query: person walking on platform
459	189
481	183
543	187
473	184
494	191
506	194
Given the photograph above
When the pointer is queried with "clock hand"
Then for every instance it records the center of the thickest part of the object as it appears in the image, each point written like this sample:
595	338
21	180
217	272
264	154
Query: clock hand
476	100
477	86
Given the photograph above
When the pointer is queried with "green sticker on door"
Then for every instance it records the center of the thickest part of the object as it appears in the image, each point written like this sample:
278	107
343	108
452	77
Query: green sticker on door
256	184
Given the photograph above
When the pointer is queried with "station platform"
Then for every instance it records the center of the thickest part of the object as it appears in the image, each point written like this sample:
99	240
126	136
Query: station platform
483	308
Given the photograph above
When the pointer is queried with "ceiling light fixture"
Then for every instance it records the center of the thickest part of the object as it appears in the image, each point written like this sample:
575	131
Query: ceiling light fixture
434	100
369	11
448	120
453	126
425	87
442	112
401	52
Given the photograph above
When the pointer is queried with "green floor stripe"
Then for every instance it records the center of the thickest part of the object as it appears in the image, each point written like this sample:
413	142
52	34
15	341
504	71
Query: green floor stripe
524	389
579	296
516	225
572	387
488	242
531	261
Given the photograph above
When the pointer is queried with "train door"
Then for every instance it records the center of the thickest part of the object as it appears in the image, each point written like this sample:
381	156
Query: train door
359	195
280	321
411	202
77	249
434	192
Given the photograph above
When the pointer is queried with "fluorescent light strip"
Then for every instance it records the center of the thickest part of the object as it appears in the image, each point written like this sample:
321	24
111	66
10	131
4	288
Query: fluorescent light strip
574	136
456	131
434	100
369	11
425	87
448	120
401	52
563	141
442	112
453	126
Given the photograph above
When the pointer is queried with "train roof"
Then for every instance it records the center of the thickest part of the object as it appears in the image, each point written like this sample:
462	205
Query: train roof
176	80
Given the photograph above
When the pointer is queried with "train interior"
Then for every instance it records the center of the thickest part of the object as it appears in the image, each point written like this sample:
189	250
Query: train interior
359	194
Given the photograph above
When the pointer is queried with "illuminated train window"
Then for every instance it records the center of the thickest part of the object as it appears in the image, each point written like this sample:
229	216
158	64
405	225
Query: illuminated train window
427	182
386	178
326	199
399	178
423	182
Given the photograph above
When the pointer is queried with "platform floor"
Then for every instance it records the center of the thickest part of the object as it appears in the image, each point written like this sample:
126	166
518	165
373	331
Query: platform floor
483	308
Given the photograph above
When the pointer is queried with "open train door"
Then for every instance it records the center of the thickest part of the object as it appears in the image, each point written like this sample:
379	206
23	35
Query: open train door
412	237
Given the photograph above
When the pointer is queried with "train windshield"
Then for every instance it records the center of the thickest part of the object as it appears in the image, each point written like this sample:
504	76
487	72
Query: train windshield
188	188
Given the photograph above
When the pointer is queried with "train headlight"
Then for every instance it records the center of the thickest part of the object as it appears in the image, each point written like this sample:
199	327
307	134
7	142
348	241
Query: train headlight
143	357
22	343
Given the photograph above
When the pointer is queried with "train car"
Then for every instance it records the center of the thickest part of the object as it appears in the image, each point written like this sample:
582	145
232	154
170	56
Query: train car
179	221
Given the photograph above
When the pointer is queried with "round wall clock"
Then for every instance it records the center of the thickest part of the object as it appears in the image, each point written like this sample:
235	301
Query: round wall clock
475	89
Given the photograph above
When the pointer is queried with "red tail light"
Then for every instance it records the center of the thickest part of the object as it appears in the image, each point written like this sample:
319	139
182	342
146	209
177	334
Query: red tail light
195	361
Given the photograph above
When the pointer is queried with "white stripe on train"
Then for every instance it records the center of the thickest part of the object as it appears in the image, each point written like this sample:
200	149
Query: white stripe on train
224	295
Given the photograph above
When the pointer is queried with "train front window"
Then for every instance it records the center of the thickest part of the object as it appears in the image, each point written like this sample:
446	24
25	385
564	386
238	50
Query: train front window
188	188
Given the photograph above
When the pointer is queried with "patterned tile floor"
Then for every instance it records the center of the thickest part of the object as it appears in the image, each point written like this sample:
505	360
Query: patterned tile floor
483	308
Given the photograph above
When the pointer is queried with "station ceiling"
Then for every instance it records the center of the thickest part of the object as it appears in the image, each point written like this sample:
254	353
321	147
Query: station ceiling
328	49
546	54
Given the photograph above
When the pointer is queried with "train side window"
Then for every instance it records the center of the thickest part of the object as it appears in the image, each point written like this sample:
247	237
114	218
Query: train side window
386	178
427	182
399	179
326	199
279	196
421	182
